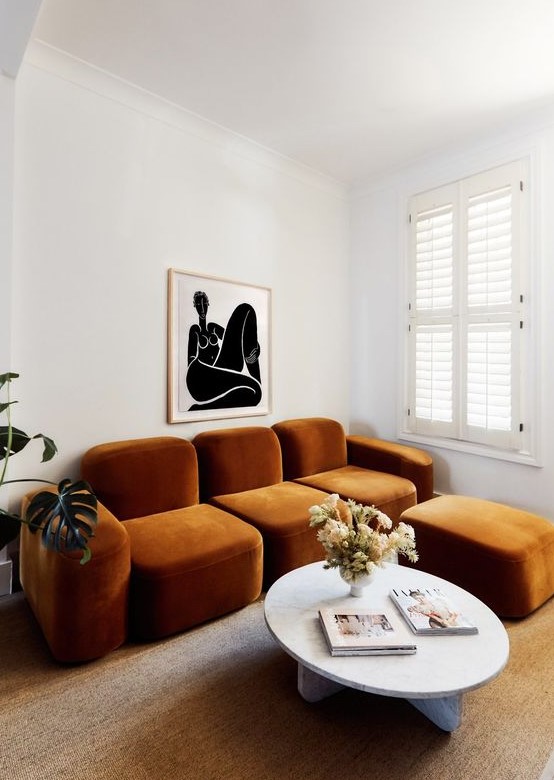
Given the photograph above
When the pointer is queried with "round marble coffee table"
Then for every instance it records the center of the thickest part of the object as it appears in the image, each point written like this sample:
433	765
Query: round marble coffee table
433	679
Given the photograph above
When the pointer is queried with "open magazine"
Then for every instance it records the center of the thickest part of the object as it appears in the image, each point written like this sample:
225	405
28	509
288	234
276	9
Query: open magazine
430	611
351	632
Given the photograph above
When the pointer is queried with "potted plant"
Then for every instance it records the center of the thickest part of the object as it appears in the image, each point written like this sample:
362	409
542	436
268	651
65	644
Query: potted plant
65	517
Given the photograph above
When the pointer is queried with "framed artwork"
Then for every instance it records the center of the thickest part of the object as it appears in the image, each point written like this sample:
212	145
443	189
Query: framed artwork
218	348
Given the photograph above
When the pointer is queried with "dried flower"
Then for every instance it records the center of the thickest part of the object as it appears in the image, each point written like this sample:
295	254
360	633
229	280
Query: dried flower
359	538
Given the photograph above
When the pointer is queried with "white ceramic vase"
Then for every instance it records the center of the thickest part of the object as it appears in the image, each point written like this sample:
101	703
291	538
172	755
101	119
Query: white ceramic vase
359	584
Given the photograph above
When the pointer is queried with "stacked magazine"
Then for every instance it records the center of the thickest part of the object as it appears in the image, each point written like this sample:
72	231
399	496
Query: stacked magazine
355	632
429	611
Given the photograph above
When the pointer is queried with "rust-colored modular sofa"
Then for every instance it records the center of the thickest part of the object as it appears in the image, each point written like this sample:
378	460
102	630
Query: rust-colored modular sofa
242	470
163	562
316	452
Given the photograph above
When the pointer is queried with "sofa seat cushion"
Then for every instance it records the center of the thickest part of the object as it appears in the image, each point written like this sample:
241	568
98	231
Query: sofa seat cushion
281	513
503	555
387	492
190	565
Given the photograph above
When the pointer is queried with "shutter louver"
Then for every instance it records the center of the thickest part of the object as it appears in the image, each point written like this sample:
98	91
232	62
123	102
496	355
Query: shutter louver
489	376
433	391
489	249
434	239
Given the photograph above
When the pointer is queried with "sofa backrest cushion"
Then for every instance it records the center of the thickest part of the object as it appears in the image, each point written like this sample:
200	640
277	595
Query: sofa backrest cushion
142	477
235	459
311	445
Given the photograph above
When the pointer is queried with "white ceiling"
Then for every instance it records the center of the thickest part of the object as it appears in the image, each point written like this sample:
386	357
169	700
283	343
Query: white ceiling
351	88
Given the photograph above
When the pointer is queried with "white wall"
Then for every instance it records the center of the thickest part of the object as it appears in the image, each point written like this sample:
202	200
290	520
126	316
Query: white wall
113	187
7	95
378	249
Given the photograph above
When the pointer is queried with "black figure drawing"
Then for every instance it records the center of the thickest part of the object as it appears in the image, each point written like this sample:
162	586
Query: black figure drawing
223	369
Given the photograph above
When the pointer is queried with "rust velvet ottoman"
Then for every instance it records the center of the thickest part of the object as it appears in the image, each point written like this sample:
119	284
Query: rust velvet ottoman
502	555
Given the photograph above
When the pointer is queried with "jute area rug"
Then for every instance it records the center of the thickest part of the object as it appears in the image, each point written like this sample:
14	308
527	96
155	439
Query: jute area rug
220	701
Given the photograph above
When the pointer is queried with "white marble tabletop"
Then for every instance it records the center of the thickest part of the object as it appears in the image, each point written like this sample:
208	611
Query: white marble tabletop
443	666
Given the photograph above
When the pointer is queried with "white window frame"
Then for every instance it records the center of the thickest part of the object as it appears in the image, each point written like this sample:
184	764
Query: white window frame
520	443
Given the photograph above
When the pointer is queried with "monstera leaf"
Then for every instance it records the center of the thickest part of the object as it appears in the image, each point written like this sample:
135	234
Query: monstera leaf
66	519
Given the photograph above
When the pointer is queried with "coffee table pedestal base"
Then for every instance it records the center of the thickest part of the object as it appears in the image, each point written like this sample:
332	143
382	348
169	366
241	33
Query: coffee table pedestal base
314	687
444	712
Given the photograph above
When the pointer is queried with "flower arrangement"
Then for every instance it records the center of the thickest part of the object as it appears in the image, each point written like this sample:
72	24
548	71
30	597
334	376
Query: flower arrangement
359	538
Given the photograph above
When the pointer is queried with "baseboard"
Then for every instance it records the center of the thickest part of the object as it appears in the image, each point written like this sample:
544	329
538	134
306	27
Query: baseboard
5	578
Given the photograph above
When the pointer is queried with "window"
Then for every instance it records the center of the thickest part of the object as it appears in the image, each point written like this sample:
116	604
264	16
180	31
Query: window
468	328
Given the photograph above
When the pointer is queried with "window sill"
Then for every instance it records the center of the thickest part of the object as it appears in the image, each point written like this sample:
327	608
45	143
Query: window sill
471	448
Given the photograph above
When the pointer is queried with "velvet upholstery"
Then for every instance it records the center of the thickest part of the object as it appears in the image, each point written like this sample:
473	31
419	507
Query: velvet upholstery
311	445
82	610
141	477
241	472
281	513
169	564
189	562
391	494
316	452
392	458
235	459
172	562
203	564
503	555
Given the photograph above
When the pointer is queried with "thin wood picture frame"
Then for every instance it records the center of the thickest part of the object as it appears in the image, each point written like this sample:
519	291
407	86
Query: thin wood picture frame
218	348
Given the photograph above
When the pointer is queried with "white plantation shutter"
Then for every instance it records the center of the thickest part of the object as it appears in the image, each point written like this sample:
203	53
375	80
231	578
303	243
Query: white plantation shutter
434	246
465	318
432	329
433	381
490	284
489	377
489	249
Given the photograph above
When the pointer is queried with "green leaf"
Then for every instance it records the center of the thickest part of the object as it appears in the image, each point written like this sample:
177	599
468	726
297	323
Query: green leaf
3	407
20	440
5	378
50	448
66	519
